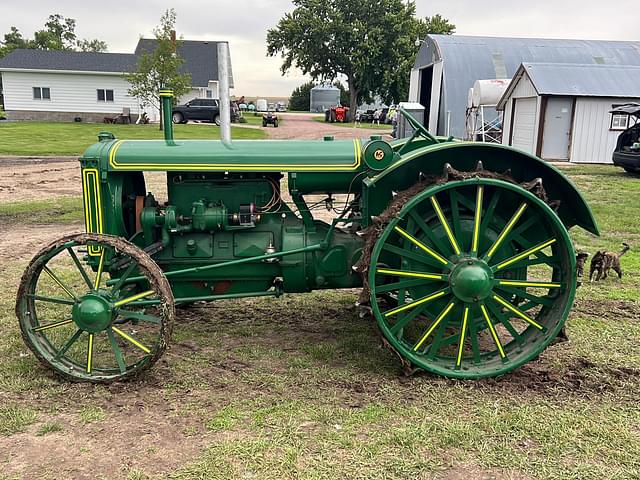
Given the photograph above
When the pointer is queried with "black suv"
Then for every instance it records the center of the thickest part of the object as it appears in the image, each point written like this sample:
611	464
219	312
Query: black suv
627	152
202	109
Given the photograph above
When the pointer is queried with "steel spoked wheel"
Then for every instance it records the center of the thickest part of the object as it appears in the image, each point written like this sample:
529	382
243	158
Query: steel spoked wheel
95	308
472	278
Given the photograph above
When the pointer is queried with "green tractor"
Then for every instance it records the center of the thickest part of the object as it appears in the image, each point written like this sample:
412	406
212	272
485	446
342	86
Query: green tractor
461	249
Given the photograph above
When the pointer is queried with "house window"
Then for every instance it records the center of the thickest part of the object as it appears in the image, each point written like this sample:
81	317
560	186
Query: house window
209	93
41	93
105	95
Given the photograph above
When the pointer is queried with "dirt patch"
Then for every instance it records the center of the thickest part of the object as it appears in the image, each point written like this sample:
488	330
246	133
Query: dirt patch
302	126
468	471
609	310
39	178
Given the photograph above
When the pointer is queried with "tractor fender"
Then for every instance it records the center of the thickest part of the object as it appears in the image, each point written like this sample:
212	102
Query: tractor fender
464	156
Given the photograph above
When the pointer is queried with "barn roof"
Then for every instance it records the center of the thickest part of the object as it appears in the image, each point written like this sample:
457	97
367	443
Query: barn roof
467	59
579	80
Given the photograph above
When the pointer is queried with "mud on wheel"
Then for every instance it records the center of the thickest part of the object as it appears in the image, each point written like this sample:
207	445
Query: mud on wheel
472	278
84	318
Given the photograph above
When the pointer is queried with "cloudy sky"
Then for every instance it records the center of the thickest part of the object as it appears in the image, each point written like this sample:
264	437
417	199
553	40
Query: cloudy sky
244	24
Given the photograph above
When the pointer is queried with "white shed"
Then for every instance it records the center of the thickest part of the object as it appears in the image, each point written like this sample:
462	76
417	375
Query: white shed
560	111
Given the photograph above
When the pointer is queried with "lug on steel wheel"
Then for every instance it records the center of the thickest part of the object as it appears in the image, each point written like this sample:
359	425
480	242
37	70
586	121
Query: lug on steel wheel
83	319
472	278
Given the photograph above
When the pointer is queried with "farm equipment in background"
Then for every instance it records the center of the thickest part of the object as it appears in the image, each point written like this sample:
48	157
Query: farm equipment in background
337	114
462	249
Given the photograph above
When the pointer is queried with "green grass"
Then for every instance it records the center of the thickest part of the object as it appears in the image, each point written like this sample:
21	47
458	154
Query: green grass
38	138
300	387
56	210
353	125
49	427
256	120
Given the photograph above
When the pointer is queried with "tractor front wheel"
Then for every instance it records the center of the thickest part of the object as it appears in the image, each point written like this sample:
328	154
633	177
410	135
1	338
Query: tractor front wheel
95	308
472	278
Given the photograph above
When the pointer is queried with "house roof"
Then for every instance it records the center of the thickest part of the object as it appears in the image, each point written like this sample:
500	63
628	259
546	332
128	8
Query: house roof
467	59
579	80
200	60
31	59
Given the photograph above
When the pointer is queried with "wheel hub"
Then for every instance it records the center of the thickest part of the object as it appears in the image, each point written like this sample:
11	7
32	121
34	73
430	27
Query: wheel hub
93	313
471	280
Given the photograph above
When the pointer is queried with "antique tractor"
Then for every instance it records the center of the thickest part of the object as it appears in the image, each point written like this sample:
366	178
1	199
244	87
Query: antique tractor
462	249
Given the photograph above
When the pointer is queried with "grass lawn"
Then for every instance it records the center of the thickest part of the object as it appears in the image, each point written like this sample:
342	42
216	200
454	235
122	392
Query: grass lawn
257	119
353	125
39	138
301	387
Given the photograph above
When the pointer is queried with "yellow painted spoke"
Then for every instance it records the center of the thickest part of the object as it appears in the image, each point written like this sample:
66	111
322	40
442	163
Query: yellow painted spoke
462	335
442	315
130	339
517	311
90	353
100	269
514	283
507	229
52	325
401	273
493	331
133	298
55	278
525	254
422	246
411	305
445	224
477	220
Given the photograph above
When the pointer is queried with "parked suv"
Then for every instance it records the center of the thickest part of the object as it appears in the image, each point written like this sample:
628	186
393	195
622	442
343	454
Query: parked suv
627	152
202	109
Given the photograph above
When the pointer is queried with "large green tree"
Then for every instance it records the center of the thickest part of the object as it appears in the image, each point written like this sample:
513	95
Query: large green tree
366	41
160	68
300	98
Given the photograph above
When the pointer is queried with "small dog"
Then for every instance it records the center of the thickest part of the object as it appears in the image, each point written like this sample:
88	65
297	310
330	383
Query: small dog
581	259
603	262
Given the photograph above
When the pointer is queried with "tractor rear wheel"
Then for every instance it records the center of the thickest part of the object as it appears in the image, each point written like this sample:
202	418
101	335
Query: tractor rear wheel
472	278
95	308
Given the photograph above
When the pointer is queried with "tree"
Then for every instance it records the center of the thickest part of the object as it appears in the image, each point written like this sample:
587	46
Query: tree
300	98
94	45
395	82
355	38
160	68
12	40
344	94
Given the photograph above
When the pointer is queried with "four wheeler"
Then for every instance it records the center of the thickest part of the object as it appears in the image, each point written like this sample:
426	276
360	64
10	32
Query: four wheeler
270	118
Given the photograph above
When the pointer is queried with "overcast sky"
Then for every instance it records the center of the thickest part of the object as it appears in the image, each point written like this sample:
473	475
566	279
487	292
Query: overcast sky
244	24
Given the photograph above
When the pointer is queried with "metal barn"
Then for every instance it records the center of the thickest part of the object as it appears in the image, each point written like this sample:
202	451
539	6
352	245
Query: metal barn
323	97
448	65
561	111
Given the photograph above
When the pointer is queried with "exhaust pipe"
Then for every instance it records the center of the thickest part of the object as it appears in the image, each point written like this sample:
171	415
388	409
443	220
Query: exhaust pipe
166	97
223	93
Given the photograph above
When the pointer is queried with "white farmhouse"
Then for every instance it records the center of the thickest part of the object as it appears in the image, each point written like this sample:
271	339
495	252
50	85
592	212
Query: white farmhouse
67	86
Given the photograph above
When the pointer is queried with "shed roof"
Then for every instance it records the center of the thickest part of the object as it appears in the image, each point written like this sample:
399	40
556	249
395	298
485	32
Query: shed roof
578	80
31	59
467	59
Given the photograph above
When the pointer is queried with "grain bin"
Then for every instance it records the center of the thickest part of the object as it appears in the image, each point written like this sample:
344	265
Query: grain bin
324	97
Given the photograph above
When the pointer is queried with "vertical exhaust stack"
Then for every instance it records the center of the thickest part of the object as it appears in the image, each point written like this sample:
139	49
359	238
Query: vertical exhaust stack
166	97
223	93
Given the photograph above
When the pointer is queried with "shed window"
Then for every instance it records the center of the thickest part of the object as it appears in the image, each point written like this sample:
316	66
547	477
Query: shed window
105	95
41	93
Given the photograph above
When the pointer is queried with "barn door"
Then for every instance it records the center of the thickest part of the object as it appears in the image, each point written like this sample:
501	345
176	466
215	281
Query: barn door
557	128
524	123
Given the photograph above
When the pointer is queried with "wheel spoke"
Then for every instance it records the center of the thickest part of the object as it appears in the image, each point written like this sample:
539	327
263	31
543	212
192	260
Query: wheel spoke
60	283
100	269
425	260
403	273
90	353
439	319
463	332
390	287
445	224
140	316
540	259
546	301
488	214
517	312
117	352
419	221
506	323
67	345
455	216
477	220
524	255
42	298
415	303
404	321
131	340
133	298
422	246
473	335
80	268
124	276
52	325
492	329
518	283
505	231
432	349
